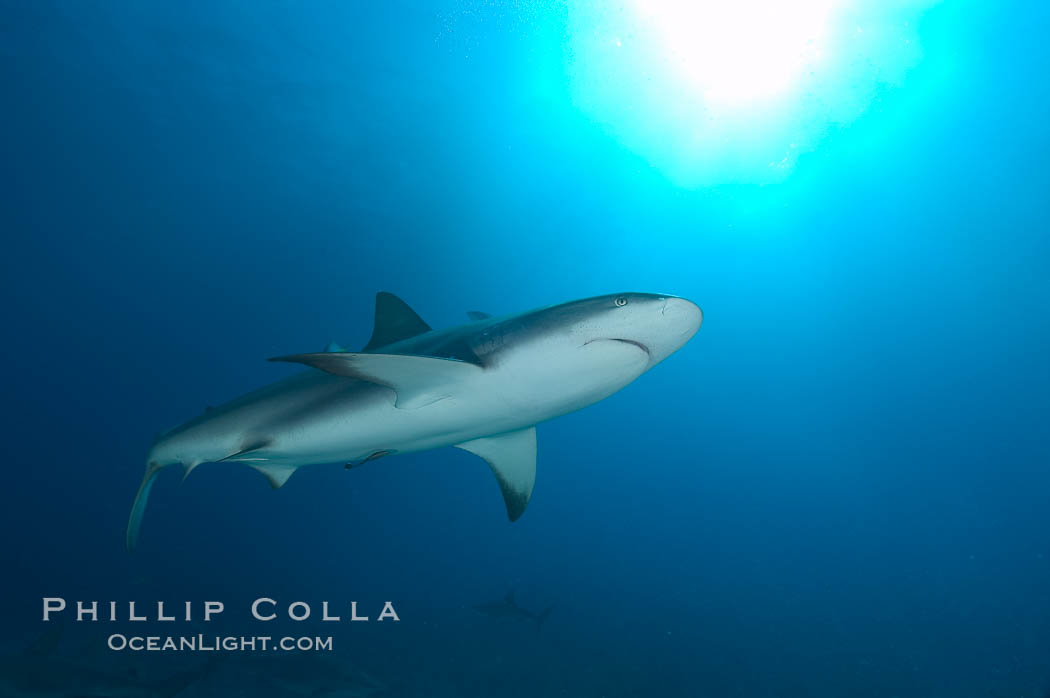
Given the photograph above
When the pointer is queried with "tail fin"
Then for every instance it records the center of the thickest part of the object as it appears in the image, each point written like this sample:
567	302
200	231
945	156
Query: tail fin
542	616
139	506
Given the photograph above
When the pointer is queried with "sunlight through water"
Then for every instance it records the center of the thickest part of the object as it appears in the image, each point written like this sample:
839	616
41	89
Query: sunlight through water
711	92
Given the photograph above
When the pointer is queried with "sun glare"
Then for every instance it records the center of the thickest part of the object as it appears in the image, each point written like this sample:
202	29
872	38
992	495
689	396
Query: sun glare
743	51
710	91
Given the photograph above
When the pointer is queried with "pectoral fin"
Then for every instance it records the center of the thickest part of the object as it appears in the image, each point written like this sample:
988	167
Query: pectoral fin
512	458
417	380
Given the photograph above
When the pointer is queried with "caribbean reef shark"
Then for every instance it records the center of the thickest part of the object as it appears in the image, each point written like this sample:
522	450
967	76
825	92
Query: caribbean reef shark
482	387
306	674
507	609
40	671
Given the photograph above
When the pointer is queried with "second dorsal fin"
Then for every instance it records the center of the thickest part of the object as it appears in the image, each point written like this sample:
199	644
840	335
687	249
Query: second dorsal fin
394	321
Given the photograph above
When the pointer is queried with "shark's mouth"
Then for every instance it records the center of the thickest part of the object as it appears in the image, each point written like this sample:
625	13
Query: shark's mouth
631	341
621	339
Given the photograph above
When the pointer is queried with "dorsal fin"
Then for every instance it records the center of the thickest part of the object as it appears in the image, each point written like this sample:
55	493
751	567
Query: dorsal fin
394	321
476	315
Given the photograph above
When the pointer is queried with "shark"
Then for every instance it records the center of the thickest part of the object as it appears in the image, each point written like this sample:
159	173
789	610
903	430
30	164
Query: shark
41	670
308	674
482	386
507	609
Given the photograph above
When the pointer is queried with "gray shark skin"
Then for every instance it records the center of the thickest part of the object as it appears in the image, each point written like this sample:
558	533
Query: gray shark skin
507	609
482	387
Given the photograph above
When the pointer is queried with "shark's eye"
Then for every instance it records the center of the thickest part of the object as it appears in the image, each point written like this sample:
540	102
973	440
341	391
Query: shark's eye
620	302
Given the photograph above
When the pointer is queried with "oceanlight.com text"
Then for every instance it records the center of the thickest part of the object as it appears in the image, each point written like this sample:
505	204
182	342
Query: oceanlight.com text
217	643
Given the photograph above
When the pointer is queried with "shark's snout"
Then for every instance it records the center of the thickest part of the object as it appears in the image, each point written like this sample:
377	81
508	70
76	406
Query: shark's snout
675	324
685	314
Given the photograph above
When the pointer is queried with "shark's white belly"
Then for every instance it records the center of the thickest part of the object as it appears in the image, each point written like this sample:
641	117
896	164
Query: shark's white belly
522	390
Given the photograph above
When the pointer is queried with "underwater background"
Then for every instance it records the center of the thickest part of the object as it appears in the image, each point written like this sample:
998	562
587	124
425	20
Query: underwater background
839	487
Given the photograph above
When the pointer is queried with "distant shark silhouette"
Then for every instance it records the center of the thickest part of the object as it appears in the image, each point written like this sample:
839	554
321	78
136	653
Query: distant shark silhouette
40	671
482	387
309	674
508	610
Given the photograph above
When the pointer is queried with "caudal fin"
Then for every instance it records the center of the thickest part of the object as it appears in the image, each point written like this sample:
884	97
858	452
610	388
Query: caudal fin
542	616
139	506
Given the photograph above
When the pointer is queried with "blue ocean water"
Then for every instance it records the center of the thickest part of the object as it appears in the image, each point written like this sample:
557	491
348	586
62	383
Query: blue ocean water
837	488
